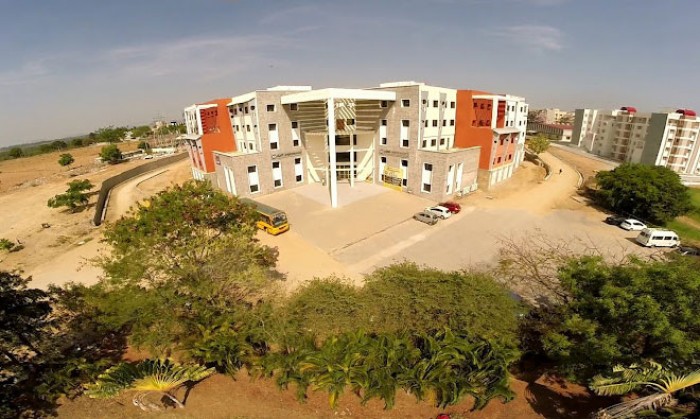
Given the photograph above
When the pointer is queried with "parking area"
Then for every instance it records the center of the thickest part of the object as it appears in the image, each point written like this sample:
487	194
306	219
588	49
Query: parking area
375	228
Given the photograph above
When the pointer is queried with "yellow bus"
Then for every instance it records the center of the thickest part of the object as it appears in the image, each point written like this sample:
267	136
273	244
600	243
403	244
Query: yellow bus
270	219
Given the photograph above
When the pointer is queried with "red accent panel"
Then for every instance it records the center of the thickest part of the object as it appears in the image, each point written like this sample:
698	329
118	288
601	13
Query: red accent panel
217	132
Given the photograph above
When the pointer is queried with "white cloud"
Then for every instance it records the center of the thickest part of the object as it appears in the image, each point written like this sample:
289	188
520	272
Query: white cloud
28	73
202	57
536	37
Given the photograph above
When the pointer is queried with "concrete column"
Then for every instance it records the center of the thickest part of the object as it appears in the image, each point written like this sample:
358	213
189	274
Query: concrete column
333	181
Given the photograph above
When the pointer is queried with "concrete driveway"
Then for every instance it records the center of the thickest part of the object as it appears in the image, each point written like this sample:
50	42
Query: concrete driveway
375	227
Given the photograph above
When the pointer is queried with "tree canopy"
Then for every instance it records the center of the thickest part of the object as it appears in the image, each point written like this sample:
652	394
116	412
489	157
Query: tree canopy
620	314
74	197
184	263
538	144
111	153
66	159
652	193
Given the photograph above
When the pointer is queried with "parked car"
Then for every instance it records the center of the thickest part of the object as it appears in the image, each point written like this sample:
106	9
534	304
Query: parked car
454	207
427	217
614	220
657	237
441	212
630	224
689	251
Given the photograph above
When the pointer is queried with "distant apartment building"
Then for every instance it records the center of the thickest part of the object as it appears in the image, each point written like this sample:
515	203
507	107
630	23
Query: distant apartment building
668	139
402	135
561	133
552	116
208	130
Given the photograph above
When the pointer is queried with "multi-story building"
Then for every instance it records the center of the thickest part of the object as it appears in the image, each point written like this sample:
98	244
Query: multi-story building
497	124
668	139
402	135
552	116
208	130
554	132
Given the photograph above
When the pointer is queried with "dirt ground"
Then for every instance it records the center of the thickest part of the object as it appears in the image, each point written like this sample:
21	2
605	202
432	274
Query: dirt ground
221	397
57	253
587	165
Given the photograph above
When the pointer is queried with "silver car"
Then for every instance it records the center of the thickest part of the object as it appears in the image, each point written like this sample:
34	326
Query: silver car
427	217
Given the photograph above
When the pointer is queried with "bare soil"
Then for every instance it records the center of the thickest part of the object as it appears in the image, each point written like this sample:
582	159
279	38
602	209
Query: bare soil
221	396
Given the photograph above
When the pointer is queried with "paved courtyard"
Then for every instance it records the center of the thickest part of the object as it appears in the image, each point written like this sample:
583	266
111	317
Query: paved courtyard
373	227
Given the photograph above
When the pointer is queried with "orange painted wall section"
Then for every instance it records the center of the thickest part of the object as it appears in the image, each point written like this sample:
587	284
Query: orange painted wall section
469	135
217	133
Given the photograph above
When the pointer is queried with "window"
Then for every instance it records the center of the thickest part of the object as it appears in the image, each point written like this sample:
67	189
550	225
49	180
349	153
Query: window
426	123
404	143
435	122
427	177
452	122
433	142
295	124
424	101
424	143
444	122
452	105
276	174
384	104
405	103
442	141
295	142
404	173
272	127
293	107
253	180
252	107
246	109
435	104
384	141
298	170
270	108
383	122
247	128
405	122
350	122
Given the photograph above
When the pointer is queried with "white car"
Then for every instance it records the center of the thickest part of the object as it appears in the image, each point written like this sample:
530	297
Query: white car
441	212
631	224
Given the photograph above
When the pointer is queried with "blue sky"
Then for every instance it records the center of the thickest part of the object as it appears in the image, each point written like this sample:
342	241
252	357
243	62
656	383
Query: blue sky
71	66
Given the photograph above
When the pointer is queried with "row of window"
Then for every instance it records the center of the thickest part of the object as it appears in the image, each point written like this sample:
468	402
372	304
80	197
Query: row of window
405	103
254	179
268	108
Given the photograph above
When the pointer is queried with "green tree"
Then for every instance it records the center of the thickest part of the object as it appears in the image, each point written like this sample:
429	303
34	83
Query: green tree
66	159
143	145
44	350
660	384
183	268
111	154
619	314
74	197
16	152
149	376
77	142
407	297
141	131
538	144
59	145
651	193
109	134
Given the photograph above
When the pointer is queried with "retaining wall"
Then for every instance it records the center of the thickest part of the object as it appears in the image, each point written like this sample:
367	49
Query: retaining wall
110	183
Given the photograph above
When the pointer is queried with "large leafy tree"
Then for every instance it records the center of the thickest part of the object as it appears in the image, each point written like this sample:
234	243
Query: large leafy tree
538	144
111	153
652	193
407	297
183	268
620	314
46	349
74	197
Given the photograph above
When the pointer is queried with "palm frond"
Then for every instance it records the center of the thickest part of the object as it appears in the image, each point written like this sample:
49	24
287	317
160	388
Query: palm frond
148	375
